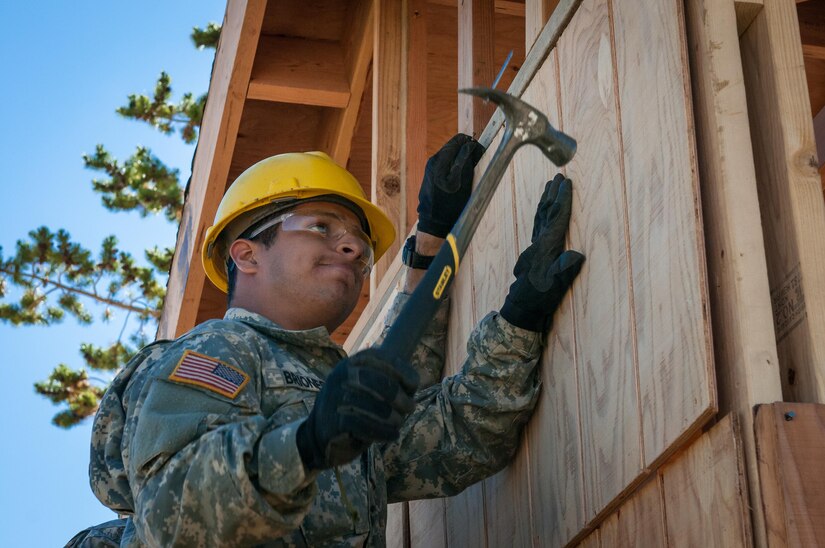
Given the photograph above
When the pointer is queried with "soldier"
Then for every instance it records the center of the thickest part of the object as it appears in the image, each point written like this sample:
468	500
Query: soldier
257	429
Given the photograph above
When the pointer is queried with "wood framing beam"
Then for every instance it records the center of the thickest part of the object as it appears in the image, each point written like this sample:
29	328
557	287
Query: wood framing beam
295	70
417	95
790	195
388	121
746	10
536	15
747	371
504	7
227	92
339	125
791	442
819	135
476	50
813	52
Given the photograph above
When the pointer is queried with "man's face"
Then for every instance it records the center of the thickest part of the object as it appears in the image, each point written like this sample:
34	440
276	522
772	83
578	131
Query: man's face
311	276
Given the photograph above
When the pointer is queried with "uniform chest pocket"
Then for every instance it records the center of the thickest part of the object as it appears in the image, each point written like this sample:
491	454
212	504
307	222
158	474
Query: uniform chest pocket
341	508
287	395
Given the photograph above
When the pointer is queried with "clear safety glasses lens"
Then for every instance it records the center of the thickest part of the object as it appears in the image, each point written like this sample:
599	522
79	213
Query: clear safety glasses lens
326	225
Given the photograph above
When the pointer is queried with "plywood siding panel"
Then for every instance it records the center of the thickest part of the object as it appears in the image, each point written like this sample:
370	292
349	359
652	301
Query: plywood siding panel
557	495
601	305
465	518
705	491
664	223
639	521
427	524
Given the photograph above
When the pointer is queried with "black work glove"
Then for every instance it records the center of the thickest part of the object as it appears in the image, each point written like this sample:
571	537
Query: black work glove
448	180
365	399
544	271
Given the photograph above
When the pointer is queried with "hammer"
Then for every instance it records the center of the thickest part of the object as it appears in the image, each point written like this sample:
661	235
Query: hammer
523	124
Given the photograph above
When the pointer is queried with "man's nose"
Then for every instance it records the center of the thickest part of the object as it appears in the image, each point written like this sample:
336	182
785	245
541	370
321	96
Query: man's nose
350	245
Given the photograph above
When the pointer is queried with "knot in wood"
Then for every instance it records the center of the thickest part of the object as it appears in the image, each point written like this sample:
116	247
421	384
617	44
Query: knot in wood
391	184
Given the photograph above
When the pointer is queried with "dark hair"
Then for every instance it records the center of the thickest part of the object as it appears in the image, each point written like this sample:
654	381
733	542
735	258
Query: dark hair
267	237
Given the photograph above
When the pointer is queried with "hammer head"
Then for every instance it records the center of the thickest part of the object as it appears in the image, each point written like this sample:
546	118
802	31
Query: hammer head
528	125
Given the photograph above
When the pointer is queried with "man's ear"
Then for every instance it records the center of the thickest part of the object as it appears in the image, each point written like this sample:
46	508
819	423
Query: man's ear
243	253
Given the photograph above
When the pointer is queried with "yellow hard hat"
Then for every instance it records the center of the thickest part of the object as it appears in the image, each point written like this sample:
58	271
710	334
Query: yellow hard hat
284	178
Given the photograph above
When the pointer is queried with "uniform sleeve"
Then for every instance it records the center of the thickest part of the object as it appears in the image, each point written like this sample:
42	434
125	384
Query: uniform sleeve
467	427
428	357
205	467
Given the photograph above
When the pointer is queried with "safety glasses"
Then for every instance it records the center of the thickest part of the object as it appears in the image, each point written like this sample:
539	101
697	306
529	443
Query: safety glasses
327	226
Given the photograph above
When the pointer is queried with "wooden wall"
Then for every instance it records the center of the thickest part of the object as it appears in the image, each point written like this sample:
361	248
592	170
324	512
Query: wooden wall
628	369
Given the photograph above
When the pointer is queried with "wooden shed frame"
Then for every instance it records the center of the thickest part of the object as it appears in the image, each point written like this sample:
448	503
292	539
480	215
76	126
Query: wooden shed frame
372	83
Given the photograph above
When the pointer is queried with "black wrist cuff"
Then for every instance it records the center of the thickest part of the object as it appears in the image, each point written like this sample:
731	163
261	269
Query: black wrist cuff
531	321
412	259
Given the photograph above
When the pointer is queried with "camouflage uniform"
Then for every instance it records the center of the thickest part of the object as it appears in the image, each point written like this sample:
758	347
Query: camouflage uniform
193	467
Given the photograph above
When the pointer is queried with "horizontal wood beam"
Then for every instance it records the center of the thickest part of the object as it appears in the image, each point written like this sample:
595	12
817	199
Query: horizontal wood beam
300	71
813	52
503	7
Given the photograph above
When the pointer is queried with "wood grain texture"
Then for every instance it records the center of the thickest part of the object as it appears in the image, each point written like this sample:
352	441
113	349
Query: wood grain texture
639	521
536	15
791	443
397	520
664	223
704	491
338	126
747	365
210	167
388	122
427	526
746	11
476	52
466	518
296	70
602	309
508	502
417	107
790	196
557	494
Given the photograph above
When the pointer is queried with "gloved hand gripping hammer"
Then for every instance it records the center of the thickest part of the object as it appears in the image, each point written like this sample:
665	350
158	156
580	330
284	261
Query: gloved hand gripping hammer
523	125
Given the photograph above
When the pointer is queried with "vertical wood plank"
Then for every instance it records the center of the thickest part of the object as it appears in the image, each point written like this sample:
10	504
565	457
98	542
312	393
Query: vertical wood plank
465	518
639	521
397	520
790	196
507	502
417	86
388	122
791	445
557	495
476	50
611	433
536	14
667	256
210	167
427	527
705	491
747	365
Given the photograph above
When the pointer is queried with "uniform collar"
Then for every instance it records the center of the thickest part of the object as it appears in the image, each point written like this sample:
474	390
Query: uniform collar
317	337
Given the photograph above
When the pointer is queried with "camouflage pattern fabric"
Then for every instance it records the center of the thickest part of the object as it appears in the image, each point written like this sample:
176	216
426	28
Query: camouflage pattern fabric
195	467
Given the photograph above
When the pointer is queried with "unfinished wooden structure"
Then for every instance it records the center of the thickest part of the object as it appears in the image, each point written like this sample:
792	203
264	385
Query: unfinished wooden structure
698	202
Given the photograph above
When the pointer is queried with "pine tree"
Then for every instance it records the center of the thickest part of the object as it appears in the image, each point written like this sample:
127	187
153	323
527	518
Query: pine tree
50	277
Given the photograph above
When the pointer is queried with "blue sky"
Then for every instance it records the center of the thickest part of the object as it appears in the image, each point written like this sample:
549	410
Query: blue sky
66	67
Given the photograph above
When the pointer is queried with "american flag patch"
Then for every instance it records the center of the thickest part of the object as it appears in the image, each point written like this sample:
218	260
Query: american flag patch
209	373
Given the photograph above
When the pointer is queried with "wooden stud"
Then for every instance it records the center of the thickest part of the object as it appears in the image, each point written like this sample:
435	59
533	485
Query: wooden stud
476	51
339	125
790	440
747	365
790	195
388	122
210	169
536	14
417	108
746	11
